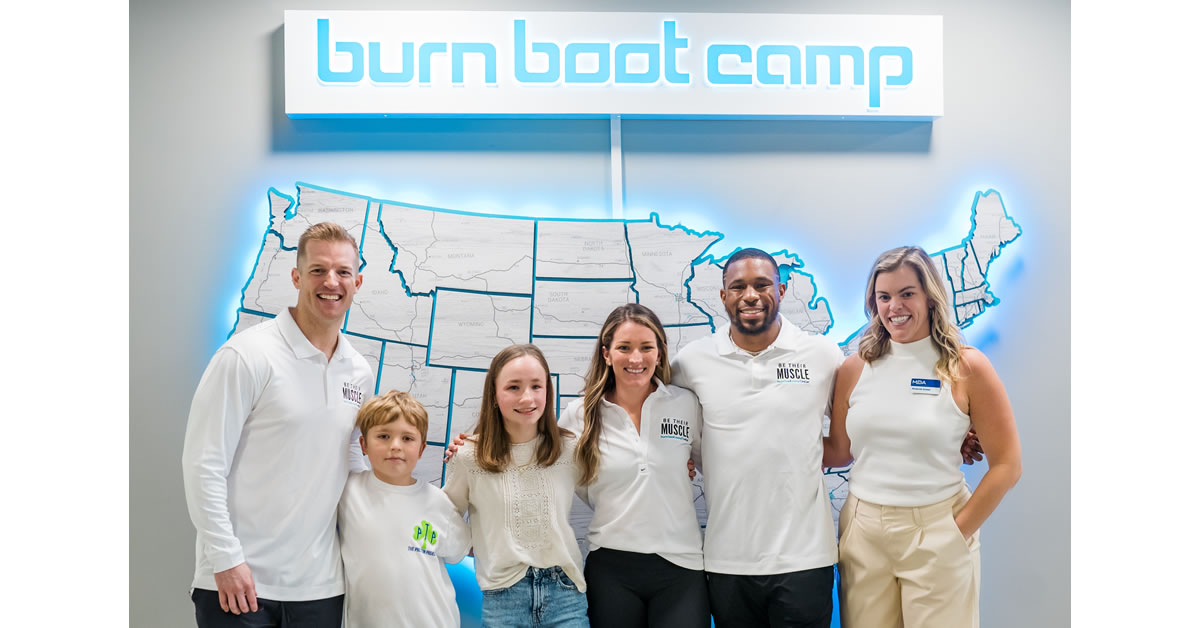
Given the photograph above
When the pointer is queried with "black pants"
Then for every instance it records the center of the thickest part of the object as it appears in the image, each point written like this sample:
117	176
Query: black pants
326	613
800	599
630	590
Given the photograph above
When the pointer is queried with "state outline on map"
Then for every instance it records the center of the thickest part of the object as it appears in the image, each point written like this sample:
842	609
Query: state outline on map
684	296
278	226
982	304
512	256
419	307
476	359
558	299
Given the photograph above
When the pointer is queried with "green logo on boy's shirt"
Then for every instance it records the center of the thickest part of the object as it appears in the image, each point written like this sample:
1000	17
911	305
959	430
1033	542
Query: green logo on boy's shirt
425	533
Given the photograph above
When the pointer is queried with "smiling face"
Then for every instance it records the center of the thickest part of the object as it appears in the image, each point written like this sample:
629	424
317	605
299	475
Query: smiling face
751	295
521	395
326	275
393	449
633	355
902	304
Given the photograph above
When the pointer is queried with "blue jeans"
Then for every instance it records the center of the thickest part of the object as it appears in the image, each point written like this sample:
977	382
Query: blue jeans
544	597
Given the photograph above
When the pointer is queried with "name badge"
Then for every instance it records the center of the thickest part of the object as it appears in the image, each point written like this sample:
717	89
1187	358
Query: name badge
920	386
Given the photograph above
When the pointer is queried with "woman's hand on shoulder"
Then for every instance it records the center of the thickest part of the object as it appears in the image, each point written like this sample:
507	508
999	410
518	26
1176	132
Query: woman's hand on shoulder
452	448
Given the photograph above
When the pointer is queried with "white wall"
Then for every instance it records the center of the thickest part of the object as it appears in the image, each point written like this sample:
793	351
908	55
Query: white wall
208	137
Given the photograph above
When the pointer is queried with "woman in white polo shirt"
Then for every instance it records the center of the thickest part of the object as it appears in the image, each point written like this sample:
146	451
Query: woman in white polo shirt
909	548
645	565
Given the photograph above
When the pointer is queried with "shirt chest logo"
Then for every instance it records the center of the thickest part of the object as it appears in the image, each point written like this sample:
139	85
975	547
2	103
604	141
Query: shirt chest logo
428	537
791	373
674	429
352	394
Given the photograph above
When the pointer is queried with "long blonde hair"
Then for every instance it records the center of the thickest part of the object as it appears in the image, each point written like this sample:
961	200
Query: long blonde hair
600	381
493	448
876	341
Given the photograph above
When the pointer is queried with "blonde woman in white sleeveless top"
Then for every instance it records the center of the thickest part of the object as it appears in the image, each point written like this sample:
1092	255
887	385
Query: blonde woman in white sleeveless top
909	549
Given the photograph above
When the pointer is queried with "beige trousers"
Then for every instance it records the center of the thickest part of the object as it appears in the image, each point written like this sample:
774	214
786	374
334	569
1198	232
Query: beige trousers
907	567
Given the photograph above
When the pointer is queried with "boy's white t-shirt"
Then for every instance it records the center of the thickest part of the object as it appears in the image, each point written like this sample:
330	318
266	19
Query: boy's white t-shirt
396	541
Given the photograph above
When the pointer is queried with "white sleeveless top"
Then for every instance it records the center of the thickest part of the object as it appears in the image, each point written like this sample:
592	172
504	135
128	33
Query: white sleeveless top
905	430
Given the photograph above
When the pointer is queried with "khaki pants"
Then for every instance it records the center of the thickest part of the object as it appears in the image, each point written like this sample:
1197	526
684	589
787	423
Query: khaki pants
907	567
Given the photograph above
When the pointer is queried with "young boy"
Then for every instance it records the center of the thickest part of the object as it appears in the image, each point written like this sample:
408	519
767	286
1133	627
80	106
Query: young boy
397	533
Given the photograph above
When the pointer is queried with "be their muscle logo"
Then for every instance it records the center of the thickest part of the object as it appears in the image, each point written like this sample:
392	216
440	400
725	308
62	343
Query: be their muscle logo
677	429
352	394
791	372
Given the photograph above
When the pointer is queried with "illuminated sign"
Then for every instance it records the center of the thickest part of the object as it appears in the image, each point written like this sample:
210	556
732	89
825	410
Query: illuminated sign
436	63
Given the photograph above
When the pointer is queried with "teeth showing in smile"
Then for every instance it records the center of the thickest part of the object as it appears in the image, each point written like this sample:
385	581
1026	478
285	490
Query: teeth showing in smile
900	320
329	297
635	371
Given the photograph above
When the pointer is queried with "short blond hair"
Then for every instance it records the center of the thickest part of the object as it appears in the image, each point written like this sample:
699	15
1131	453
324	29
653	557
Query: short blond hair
393	406
324	232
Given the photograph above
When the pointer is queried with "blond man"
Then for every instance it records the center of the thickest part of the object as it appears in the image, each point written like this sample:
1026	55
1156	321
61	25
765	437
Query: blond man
269	444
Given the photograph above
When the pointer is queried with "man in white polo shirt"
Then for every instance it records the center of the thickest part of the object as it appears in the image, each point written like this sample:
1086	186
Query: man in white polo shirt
268	447
765	386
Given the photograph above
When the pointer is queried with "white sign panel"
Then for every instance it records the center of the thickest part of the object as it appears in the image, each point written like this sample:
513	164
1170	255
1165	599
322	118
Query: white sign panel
449	63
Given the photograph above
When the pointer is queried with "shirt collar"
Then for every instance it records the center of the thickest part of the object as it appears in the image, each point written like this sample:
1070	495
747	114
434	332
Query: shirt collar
299	343
788	338
660	389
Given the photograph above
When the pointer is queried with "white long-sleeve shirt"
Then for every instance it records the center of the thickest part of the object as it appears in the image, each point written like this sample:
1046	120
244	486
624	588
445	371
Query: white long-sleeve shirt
642	496
269	443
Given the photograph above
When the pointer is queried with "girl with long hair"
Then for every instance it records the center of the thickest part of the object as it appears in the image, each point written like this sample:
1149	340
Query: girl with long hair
516	477
909	548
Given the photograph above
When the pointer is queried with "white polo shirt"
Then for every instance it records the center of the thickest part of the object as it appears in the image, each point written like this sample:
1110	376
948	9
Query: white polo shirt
269	444
642	496
768	510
